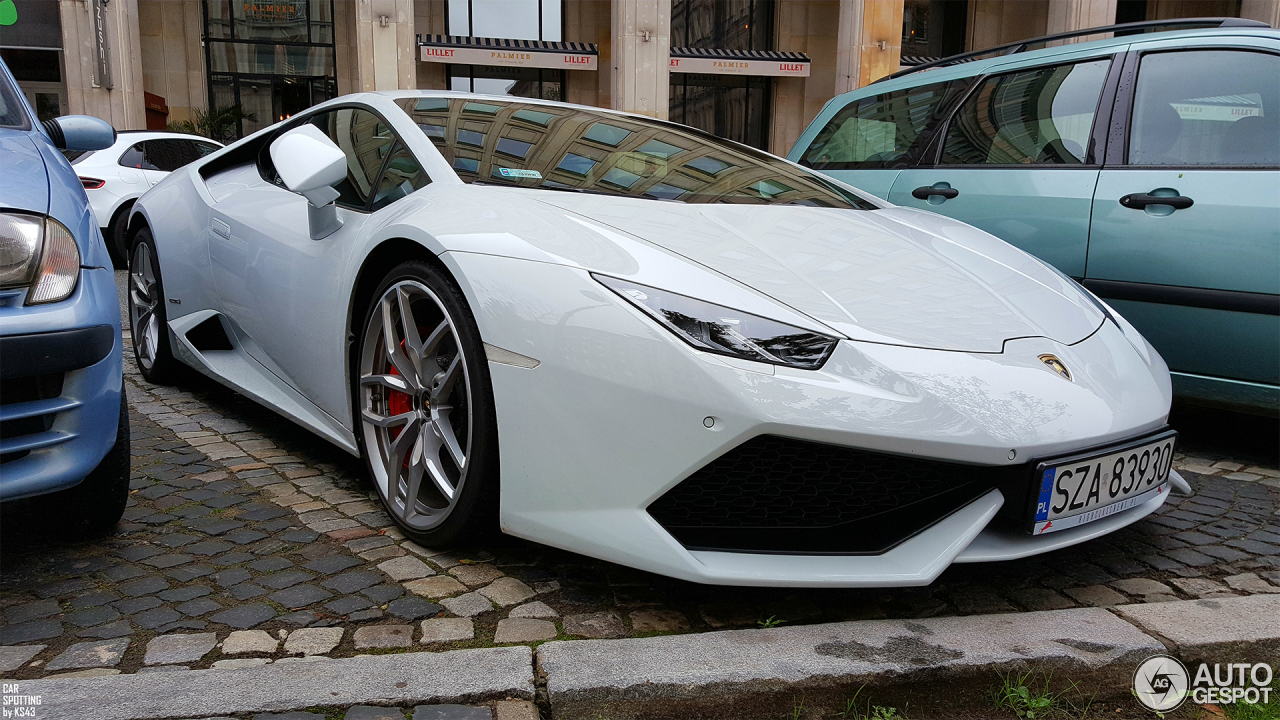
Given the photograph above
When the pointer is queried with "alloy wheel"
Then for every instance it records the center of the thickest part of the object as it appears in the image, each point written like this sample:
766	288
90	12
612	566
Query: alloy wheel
415	405
142	306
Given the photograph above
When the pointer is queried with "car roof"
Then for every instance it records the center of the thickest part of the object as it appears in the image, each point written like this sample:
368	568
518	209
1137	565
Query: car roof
1035	57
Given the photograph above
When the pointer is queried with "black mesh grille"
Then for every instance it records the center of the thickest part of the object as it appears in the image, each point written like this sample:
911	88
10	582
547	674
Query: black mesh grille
774	494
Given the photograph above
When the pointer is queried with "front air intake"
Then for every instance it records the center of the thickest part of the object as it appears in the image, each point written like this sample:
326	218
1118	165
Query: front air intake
781	495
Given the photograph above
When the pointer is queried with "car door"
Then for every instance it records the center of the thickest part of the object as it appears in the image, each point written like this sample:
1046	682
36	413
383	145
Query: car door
1017	159
281	289
870	139
1185	241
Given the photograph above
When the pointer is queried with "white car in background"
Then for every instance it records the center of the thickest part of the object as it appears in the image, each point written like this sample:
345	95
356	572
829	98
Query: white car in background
117	176
633	340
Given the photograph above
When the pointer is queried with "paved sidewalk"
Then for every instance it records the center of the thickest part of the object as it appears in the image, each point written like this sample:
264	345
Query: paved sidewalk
248	541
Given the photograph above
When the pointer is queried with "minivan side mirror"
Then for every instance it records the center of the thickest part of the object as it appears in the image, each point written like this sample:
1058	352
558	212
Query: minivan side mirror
310	164
80	132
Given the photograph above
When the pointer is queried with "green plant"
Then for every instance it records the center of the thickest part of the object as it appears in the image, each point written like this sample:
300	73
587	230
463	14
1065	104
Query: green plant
1269	710
797	707
216	123
853	710
771	621
1028	696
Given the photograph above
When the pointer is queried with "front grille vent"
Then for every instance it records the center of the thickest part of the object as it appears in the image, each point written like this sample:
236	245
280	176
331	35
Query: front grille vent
780	495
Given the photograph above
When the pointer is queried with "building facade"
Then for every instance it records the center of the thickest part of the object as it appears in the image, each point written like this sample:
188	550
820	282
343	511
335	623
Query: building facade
755	71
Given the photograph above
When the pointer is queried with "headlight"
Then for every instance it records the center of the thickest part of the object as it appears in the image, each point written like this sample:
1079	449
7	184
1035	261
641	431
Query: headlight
725	331
40	252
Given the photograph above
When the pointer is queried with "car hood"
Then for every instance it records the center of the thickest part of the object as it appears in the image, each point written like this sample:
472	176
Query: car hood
896	275
24	184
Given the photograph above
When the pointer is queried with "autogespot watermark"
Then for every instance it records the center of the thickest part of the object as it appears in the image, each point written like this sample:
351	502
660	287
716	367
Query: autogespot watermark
1162	683
13	704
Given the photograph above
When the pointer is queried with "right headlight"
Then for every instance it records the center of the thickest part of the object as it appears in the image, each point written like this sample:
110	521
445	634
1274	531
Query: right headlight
38	252
725	331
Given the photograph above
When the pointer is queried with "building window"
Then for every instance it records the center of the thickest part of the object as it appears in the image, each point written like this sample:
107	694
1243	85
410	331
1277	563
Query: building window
272	58
512	20
933	29
736	107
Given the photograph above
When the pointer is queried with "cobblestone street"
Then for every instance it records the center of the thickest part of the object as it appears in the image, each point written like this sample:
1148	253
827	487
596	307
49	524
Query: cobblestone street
248	541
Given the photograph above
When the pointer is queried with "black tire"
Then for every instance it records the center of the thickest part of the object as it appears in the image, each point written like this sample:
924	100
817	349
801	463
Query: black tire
114	236
95	505
152	353
474	514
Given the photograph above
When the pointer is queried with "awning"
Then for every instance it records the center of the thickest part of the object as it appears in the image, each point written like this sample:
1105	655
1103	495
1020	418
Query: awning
739	62
506	52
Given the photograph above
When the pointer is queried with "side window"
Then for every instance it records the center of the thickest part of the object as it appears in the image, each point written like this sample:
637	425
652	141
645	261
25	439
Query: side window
169	155
367	141
135	157
876	131
204	148
1042	116
1206	107
402	176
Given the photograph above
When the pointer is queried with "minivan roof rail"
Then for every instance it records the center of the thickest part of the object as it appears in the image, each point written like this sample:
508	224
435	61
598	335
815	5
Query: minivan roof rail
1021	45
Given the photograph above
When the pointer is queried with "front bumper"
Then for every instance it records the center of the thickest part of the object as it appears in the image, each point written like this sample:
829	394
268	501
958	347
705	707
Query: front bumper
619	411
60	365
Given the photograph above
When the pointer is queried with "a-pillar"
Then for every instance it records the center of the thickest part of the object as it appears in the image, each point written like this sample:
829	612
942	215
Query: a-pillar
118	98
641	56
869	45
385	45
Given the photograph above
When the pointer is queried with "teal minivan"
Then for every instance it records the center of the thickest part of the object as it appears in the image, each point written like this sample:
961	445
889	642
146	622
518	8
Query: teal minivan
1146	166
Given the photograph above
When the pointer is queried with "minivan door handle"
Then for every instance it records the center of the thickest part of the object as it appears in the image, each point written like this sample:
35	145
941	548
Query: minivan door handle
1139	201
923	193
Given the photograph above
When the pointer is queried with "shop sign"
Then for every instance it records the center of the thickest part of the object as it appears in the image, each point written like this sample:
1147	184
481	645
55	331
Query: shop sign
738	66
101	45
510	57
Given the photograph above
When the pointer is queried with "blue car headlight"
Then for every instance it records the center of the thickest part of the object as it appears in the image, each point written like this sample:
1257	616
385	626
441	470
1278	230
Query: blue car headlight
725	331
38	252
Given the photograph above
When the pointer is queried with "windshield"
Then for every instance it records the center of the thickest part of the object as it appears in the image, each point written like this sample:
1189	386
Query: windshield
580	150
11	113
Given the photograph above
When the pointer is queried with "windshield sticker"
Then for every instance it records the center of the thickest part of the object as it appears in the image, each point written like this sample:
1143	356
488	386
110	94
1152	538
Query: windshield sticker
518	173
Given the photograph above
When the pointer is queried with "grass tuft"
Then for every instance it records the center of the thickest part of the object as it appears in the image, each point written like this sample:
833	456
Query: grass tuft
1029	696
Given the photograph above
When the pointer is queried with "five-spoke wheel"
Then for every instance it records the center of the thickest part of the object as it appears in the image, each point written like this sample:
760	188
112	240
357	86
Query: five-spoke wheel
418	400
147	313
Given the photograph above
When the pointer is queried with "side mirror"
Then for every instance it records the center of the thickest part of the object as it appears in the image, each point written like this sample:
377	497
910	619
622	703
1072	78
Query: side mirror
310	165
80	132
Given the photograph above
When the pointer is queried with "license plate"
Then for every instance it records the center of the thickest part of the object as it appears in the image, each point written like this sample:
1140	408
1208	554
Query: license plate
1087	487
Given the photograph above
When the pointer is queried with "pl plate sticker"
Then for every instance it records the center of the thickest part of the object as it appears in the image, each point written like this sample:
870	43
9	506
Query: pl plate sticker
518	173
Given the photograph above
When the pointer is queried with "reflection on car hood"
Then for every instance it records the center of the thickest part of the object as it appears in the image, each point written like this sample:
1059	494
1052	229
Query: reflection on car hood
897	275
24	183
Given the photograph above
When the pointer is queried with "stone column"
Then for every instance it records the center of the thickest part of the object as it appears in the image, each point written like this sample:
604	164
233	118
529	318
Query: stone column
1268	11
870	42
385	45
122	105
172	54
641	55
1068	15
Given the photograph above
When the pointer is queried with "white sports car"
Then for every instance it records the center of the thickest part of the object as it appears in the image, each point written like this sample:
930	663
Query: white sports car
633	340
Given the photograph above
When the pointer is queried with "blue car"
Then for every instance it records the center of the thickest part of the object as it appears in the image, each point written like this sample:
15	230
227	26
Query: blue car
64	429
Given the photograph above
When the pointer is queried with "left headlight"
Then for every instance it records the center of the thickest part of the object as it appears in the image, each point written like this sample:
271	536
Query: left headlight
39	252
725	331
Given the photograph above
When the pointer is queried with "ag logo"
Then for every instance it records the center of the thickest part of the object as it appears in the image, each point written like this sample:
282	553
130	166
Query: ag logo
1161	683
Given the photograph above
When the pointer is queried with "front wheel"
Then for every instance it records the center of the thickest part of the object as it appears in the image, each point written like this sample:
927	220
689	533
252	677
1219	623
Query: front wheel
147	312
425	404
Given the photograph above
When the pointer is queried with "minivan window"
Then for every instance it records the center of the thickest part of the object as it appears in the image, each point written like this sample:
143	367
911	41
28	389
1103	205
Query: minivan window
876	131
11	114
582	150
1042	116
1206	107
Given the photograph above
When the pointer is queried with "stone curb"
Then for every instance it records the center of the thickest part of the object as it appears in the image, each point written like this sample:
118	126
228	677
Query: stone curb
762	673
1213	630
458	676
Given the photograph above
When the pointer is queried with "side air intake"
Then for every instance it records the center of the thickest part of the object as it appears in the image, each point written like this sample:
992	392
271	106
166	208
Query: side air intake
209	335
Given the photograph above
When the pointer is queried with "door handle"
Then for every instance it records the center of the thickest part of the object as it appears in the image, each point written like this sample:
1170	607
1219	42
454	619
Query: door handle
1139	201
923	192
